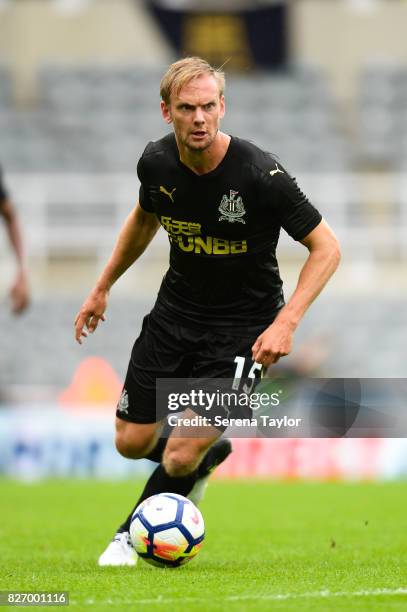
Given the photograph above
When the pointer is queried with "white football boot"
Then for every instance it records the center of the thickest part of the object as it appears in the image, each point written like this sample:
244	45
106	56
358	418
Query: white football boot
119	552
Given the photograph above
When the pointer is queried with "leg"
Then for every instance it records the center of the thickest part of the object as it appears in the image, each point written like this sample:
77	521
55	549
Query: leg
138	427
136	440
186	462
183	460
185	449
203	453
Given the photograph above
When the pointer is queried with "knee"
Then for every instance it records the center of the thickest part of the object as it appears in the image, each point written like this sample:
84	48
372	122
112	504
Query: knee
133	446
178	462
131	449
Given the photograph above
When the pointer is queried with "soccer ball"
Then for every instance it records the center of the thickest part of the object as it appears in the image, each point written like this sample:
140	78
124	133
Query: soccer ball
167	530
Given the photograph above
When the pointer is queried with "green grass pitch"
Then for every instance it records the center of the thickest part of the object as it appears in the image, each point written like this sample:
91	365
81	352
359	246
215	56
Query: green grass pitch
269	546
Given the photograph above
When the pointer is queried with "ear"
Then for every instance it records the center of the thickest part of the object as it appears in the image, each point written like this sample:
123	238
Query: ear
222	107
166	112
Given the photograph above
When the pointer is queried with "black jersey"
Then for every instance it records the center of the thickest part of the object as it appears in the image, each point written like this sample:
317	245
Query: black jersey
223	228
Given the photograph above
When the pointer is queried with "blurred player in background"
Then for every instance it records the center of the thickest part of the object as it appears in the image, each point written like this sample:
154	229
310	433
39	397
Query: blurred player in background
19	292
220	311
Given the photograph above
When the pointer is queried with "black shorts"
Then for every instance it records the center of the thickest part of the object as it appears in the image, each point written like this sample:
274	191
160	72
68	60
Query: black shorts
167	349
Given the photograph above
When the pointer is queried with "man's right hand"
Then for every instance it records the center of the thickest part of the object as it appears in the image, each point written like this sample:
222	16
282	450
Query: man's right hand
20	293
91	312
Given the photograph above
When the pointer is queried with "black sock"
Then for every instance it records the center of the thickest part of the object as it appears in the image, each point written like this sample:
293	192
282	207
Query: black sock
157	452
161	482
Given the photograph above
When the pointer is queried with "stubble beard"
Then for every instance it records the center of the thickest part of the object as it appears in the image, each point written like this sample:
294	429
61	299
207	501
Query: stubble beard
204	146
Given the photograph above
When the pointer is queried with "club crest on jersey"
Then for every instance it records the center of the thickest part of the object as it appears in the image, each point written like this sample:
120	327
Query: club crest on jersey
231	208
123	405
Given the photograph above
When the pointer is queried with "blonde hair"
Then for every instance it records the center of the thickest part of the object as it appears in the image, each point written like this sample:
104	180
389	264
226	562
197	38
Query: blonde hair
183	71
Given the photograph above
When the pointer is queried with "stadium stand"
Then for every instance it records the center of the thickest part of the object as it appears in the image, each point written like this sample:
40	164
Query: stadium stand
383	126
294	113
92	122
98	118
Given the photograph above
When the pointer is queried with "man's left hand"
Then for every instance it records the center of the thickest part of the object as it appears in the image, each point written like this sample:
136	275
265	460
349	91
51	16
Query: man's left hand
273	343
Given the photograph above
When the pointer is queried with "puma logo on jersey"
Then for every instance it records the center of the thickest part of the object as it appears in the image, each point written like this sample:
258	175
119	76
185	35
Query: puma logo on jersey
168	193
276	171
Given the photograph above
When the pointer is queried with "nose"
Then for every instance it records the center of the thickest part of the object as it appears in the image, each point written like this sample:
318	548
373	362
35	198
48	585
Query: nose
199	116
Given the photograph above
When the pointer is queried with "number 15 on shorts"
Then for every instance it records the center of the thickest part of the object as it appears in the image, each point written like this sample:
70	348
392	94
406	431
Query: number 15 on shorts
254	372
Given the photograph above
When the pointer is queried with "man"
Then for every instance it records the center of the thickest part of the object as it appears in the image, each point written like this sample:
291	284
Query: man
19	292
220	310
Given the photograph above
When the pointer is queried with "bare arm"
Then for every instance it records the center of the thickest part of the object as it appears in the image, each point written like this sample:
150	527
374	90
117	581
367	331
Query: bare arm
19	292
322	261
137	232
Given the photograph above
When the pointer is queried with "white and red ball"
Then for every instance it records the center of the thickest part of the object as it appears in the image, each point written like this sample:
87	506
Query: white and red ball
167	530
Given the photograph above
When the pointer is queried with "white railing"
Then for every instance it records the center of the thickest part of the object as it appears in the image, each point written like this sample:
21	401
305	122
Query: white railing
80	214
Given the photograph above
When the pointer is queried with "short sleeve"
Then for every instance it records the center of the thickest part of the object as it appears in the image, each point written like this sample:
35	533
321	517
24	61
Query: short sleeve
144	199
295	212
